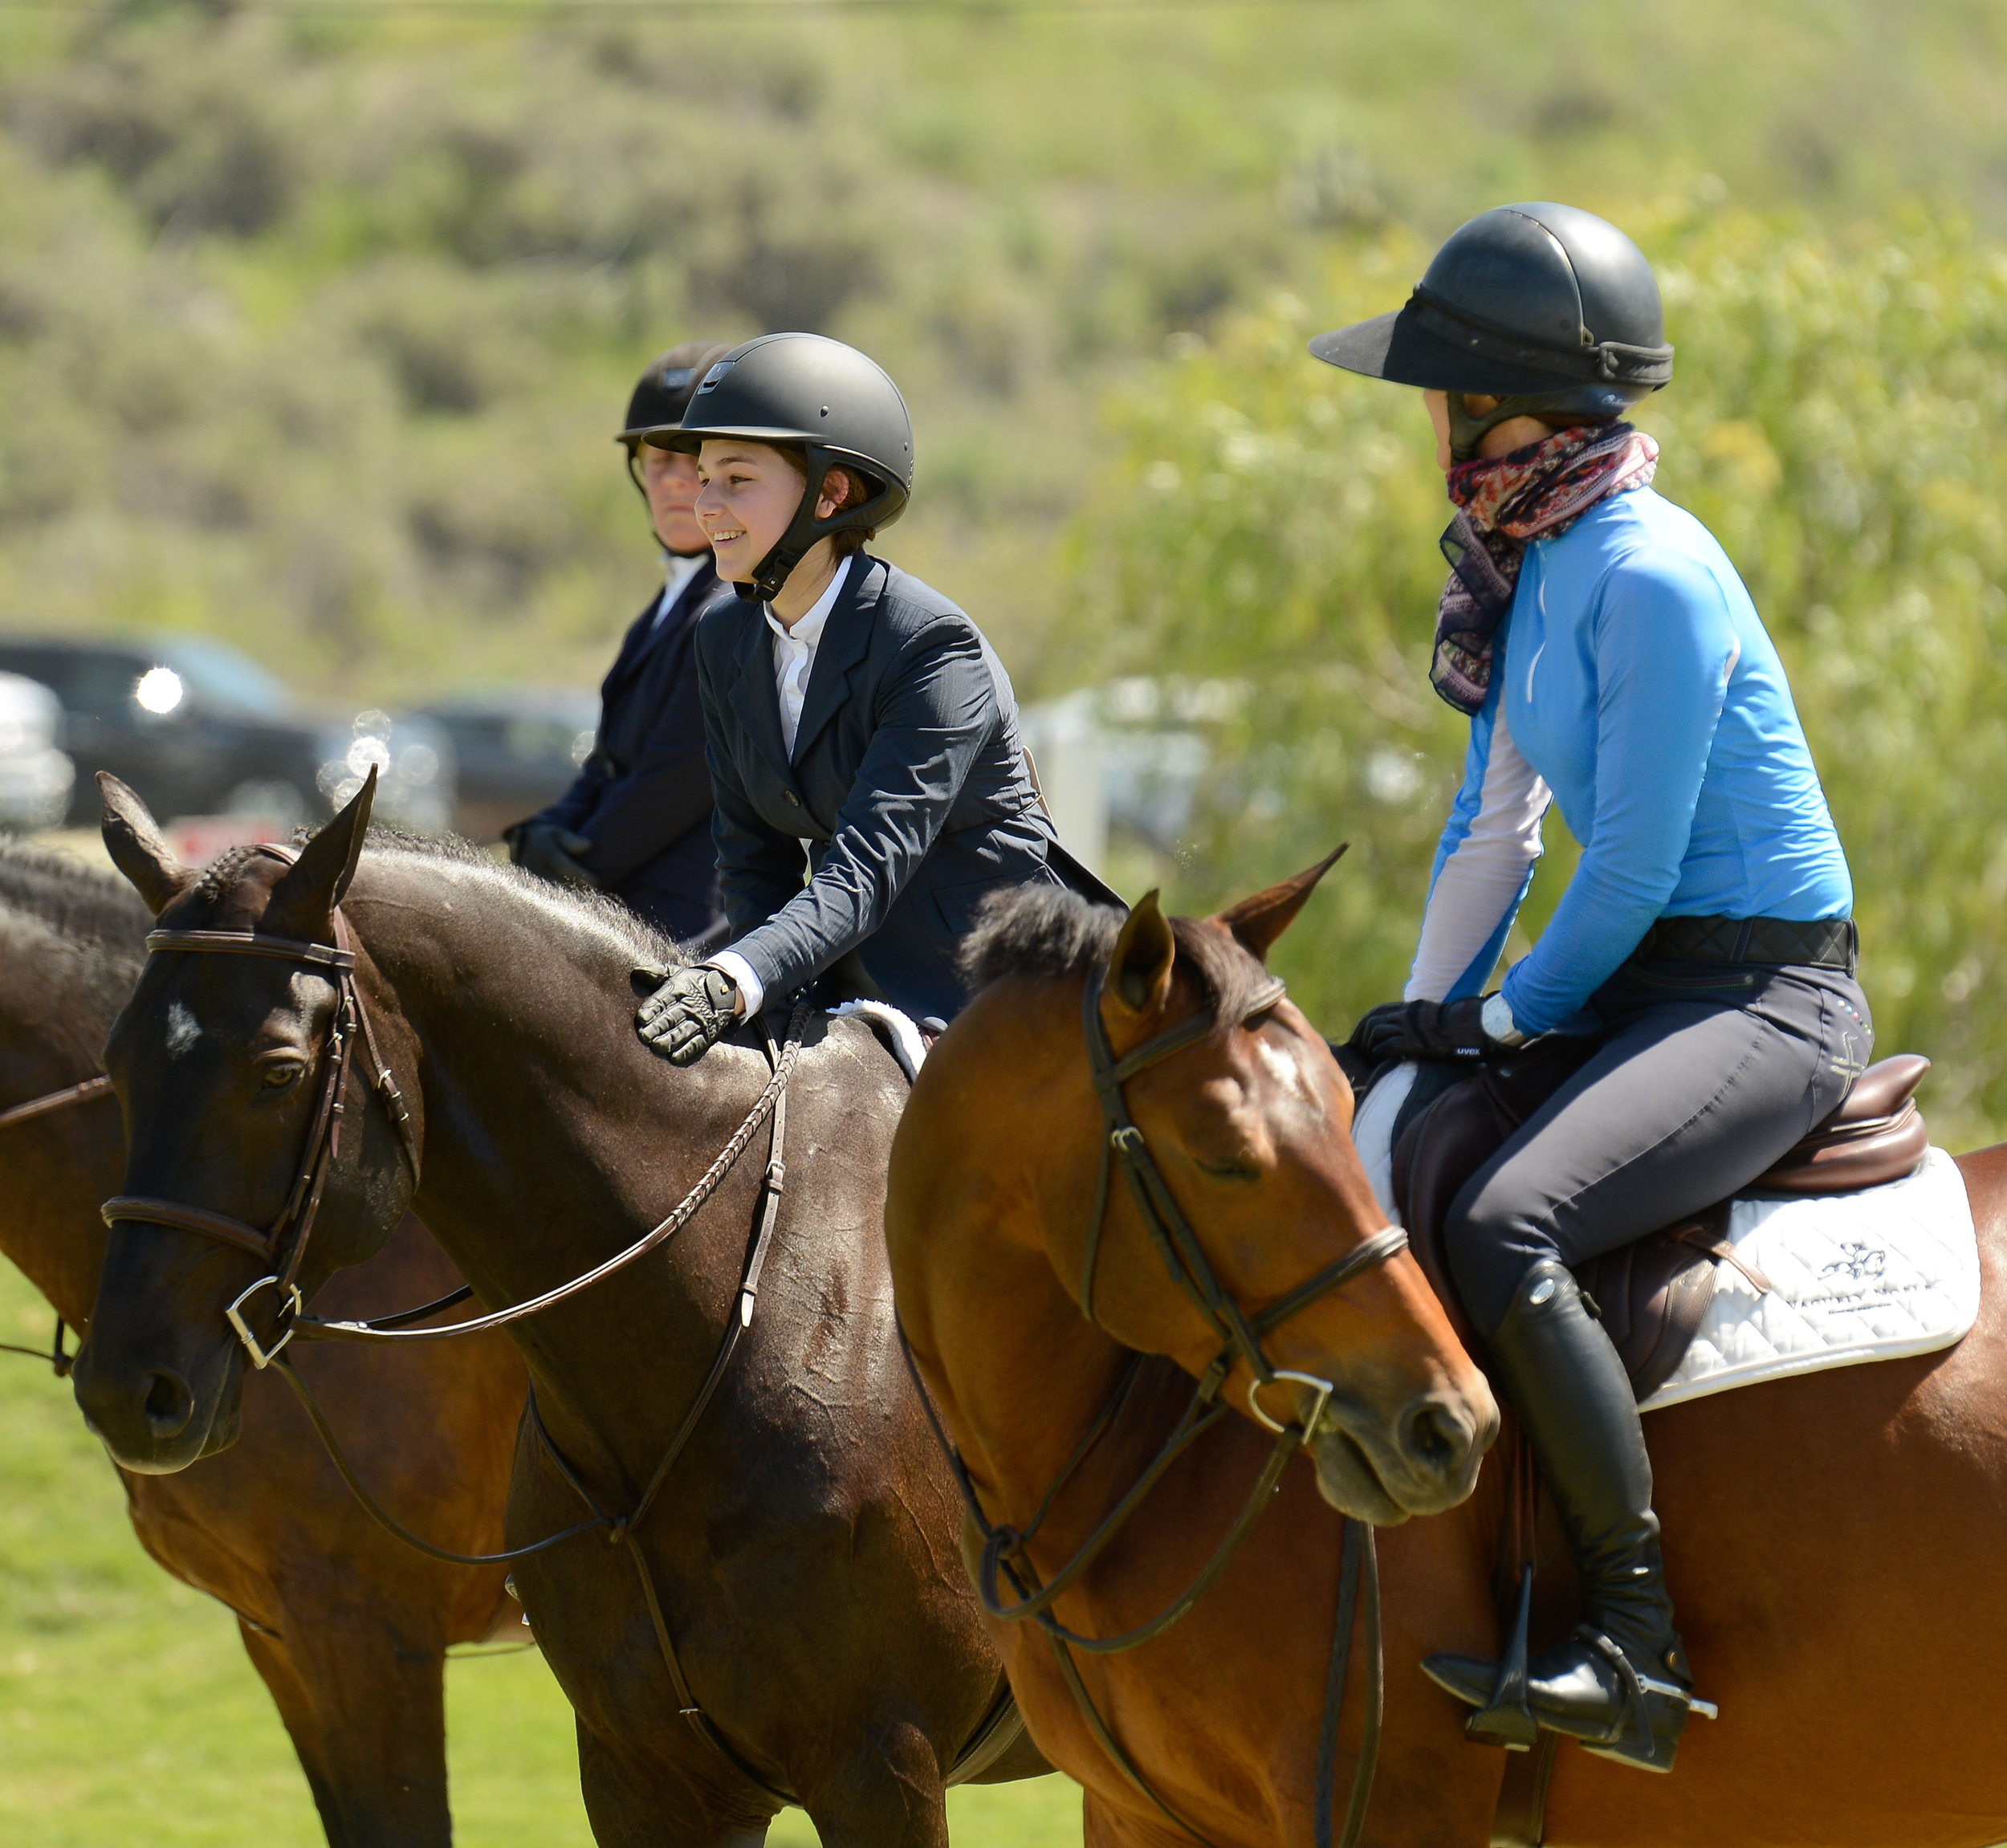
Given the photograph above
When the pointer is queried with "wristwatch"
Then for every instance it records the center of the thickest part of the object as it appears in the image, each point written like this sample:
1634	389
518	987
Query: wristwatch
1496	1018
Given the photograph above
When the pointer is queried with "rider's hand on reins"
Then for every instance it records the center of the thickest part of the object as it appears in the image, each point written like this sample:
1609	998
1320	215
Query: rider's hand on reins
1439	1030
692	1011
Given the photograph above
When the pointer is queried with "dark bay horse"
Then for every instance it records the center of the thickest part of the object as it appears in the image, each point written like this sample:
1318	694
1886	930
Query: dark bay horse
347	1629
803	1553
1835	1542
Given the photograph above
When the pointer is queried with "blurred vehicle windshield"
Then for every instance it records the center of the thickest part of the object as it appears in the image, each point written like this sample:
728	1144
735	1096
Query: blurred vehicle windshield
222	679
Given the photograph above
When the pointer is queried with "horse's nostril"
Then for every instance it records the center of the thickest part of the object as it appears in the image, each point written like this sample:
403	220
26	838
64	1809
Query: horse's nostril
1435	1439
170	1404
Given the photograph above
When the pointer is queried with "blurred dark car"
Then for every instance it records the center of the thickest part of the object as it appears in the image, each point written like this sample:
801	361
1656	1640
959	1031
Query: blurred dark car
198	728
515	748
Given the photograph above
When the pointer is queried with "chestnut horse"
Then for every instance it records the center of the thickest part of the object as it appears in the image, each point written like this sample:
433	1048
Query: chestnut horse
992	1212
801	1554
348	1630
1833	1542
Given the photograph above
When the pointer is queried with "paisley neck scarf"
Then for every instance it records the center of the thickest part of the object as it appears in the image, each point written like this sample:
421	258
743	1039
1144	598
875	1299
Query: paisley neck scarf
1504	503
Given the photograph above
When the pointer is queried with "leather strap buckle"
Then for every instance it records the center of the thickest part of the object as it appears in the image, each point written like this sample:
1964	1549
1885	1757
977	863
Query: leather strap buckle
262	1357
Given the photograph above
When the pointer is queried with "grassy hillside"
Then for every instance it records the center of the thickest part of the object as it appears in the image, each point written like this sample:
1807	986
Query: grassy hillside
314	324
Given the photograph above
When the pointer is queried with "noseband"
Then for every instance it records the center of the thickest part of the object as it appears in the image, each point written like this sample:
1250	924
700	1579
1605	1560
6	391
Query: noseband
1006	1550
323	1143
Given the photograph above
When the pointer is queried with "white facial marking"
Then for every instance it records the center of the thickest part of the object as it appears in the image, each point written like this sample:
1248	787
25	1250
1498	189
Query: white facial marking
182	1030
1284	1069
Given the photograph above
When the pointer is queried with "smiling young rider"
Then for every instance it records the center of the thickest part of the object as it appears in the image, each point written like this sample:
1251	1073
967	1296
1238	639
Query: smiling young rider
861	730
1611	660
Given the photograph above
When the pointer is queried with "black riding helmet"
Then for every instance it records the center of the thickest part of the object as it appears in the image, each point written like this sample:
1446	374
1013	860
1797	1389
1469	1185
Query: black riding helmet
661	395
801	391
1542	307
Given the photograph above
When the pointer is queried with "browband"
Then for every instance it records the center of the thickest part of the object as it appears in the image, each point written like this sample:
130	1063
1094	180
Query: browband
252	944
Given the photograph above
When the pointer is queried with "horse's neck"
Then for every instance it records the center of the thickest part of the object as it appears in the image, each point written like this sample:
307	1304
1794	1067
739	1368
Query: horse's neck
552	1137
55	1009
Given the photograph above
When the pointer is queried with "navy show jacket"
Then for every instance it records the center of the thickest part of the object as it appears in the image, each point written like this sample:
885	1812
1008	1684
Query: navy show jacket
907	800
644	796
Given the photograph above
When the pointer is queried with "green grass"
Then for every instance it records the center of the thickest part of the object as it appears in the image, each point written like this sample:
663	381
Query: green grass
128	1713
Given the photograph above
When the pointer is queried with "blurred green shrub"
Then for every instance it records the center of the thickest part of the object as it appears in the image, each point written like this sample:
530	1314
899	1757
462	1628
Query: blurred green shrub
1838	419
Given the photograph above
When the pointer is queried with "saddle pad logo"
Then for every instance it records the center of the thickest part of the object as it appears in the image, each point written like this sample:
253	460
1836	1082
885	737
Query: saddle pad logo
1867	1276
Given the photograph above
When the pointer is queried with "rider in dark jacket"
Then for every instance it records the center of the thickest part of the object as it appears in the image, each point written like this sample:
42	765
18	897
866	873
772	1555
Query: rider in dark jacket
871	788
637	822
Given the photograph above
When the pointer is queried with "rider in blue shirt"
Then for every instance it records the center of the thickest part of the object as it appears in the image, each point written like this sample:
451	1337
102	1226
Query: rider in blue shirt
1701	961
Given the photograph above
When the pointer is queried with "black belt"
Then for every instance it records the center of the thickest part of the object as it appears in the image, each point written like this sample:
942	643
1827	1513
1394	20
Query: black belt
1826	943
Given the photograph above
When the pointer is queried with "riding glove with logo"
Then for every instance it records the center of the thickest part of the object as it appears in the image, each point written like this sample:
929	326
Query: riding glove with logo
689	1014
546	850
1470	1029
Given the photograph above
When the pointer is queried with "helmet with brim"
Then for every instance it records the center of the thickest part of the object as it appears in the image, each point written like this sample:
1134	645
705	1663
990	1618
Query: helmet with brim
1544	307
834	404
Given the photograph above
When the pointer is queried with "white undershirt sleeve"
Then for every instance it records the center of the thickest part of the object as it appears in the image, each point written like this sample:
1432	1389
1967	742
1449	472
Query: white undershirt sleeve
741	971
1477	892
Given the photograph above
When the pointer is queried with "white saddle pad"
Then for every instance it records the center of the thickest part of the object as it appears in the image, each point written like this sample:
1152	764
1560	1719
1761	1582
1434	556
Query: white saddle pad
900	1035
1866	1276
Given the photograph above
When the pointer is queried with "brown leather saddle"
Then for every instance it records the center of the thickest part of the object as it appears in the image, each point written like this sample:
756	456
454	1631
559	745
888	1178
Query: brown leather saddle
1650	1294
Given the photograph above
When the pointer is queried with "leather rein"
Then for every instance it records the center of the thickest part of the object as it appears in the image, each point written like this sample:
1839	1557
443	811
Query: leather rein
1006	1549
60	1359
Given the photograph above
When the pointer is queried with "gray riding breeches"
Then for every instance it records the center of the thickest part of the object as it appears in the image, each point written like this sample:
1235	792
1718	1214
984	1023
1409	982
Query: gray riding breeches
1704	1075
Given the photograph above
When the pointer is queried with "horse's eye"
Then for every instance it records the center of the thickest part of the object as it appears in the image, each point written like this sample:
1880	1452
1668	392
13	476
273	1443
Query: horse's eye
1228	1170
281	1077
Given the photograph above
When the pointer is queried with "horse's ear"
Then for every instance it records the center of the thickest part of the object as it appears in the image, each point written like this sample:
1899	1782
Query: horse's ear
305	899
1256	922
1139	971
133	838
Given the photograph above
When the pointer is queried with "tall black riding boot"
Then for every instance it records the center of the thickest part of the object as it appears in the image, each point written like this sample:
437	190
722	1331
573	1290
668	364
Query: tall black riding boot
1620	1683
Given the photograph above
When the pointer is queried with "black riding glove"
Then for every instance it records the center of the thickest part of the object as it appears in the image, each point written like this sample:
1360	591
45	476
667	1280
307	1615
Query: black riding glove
689	1014
546	849
1436	1030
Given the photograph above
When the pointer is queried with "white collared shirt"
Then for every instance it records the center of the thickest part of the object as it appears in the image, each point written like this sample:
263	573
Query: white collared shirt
795	654
677	571
794	661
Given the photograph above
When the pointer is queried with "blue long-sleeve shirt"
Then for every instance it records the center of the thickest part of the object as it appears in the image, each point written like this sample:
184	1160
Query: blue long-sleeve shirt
1633	682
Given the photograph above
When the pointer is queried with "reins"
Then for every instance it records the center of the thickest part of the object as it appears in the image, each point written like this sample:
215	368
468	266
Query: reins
1006	1550
318	1153
59	1360
80	1093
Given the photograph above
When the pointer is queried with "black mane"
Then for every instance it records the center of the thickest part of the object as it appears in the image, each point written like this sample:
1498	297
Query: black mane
75	900
1046	931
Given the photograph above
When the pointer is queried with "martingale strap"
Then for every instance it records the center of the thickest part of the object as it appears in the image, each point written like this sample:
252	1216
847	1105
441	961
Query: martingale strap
1006	1555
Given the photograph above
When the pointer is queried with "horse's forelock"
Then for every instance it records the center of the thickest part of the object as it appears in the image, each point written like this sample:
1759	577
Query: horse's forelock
1046	931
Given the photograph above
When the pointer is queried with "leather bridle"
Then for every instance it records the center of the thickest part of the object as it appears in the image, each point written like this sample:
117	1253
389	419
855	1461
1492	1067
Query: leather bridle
288	1234
1171	1233
1006	1550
